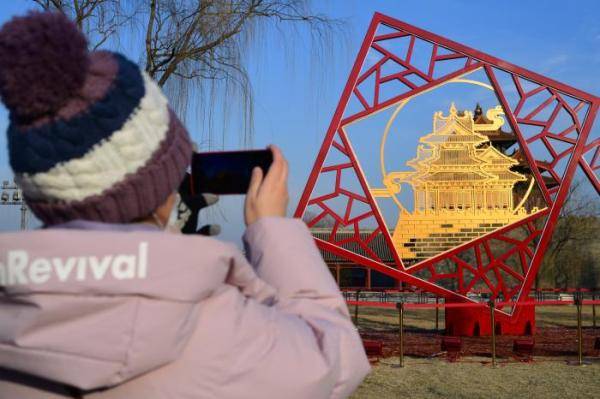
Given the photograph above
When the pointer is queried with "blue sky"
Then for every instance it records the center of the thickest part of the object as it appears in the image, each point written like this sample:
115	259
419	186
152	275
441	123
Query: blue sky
295	94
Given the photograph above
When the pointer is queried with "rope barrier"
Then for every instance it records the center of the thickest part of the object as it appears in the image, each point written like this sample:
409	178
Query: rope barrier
474	291
392	305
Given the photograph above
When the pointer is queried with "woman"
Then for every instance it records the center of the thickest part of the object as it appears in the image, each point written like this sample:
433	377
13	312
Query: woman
106	302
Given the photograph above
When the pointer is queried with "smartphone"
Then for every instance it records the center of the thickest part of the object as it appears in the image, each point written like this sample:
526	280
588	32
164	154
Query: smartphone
226	172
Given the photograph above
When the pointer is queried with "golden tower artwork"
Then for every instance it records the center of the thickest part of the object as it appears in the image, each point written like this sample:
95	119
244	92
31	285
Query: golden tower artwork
462	186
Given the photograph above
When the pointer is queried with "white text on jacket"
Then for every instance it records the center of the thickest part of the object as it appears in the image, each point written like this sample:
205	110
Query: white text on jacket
20	269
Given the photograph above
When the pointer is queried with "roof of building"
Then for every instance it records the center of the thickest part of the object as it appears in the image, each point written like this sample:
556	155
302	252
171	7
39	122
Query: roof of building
499	137
523	165
377	245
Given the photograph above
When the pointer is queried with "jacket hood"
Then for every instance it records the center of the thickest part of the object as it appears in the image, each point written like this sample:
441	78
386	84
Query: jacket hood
94	308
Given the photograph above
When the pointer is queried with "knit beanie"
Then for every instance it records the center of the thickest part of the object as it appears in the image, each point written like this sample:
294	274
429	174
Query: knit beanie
91	136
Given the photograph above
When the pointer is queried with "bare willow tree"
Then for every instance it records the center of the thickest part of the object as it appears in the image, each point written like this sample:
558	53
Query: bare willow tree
571	259
196	47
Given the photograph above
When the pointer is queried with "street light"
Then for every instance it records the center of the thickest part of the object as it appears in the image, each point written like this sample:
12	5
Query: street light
17	199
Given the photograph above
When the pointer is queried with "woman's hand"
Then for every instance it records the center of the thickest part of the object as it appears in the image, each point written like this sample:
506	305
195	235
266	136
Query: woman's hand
268	195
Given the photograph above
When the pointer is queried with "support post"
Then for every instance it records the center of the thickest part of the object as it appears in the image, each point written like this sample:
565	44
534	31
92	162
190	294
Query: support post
578	302
437	313
400	307
493	326
356	308
579	332
594	311
23	215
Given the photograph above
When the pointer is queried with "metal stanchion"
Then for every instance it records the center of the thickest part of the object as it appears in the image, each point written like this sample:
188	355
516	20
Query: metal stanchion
356	308
400	307
579	333
580	362
594	311
493	326
437	313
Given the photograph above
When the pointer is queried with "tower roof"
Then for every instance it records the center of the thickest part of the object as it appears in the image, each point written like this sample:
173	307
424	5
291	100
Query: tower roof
484	125
454	128
492	156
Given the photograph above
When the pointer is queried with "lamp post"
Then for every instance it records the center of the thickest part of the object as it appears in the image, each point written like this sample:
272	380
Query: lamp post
11	195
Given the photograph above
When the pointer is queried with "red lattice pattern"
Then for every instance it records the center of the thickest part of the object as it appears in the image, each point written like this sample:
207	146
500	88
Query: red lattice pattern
497	263
590	161
344	217
556	136
411	78
504	262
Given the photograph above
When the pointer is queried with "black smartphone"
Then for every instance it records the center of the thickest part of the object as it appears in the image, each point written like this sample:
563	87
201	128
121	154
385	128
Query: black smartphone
226	172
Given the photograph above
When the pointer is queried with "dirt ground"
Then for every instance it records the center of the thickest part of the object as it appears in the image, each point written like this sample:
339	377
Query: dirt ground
427	373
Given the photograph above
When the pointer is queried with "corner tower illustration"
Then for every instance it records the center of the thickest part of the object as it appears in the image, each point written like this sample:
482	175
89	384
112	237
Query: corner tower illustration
462	187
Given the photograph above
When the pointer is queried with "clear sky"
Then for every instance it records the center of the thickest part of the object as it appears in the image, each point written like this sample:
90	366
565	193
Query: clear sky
295	93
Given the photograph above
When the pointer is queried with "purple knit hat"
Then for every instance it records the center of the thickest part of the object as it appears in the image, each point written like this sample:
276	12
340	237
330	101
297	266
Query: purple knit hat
91	136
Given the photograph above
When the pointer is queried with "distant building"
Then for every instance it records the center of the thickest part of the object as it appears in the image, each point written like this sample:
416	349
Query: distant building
350	275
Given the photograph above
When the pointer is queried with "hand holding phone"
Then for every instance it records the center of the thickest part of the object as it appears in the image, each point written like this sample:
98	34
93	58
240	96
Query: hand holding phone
261	174
268	194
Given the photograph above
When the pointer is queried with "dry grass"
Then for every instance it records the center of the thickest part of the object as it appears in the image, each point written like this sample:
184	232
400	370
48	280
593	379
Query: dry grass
385	319
436	378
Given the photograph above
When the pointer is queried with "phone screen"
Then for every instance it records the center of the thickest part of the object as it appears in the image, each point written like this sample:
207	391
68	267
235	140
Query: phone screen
226	172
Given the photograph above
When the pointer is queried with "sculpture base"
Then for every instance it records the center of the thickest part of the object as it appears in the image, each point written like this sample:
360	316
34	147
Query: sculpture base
475	322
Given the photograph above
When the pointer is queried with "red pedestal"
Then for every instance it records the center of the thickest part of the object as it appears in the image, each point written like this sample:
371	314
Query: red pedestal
475	321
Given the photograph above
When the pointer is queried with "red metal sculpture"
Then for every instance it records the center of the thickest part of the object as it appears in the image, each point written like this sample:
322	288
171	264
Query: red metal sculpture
572	144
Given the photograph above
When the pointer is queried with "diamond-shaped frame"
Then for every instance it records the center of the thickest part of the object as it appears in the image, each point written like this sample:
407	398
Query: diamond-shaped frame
575	146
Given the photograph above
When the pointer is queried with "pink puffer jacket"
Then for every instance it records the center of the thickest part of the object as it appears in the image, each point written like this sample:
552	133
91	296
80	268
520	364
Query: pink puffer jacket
144	314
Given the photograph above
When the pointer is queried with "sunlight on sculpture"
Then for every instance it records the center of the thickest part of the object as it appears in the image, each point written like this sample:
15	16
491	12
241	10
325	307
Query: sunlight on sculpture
462	186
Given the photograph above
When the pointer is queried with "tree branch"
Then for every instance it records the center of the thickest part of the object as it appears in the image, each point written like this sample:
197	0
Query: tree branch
78	18
149	50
